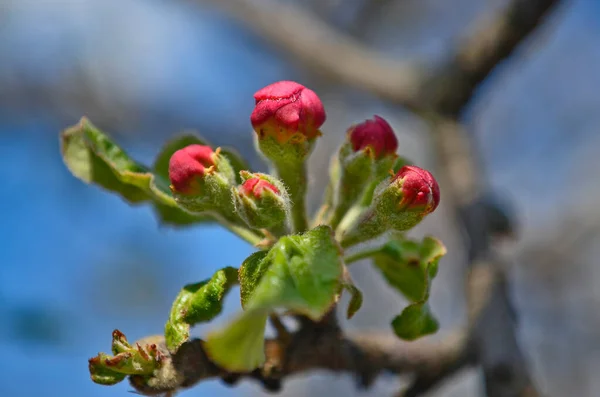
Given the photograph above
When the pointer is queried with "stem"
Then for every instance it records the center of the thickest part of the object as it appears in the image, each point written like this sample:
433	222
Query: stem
241	231
293	176
368	227
361	255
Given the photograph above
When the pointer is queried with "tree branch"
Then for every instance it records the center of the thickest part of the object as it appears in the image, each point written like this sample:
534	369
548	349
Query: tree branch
451	86
445	88
314	346
325	50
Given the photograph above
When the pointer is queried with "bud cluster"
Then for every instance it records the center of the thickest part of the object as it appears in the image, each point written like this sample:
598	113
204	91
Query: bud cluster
364	200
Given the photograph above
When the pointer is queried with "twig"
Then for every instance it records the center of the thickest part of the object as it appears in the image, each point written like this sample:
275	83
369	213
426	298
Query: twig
326	50
312	347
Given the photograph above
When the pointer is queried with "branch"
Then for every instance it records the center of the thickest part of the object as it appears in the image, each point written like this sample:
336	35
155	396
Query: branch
325	50
315	346
452	84
445	88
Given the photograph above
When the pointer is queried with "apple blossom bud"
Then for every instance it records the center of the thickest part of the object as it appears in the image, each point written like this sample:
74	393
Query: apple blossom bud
374	136
188	166
399	203
420	190
201	179
256	187
261	201
285	109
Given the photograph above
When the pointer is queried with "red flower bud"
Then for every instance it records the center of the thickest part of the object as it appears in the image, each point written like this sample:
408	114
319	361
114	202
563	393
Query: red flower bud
419	188
189	164
376	135
256	186
285	108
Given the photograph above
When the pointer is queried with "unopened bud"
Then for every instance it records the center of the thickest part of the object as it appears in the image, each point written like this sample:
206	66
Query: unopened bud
188	166
399	203
201	179
420	190
261	201
286	110
374	136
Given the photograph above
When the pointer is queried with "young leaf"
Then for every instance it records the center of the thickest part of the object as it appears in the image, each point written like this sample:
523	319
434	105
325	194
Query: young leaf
250	274
302	273
92	157
240	346
143	359
408	265
414	322
356	298
197	303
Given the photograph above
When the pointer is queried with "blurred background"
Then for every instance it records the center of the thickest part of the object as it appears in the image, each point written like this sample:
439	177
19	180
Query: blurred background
77	262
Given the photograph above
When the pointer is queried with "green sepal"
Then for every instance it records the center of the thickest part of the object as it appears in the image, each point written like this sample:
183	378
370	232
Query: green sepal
414	322
126	360
93	158
301	273
197	303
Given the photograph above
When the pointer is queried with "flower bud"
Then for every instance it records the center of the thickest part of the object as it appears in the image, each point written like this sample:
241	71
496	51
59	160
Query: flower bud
188	166
399	203
286	110
420	190
256	187
261	201
374	136
201	179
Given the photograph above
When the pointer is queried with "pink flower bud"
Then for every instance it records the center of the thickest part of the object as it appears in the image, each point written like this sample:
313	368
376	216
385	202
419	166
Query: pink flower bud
256	187
188	165
375	135
419	188
286	108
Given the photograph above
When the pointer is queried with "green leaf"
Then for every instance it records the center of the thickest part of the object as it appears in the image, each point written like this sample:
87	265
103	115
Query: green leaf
356	299
240	346
408	265
414	322
250	274
92	157
302	273
127	360
197	303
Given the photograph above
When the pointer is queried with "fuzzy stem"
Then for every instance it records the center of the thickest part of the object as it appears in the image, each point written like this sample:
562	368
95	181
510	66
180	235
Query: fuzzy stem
293	176
241	231
361	255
